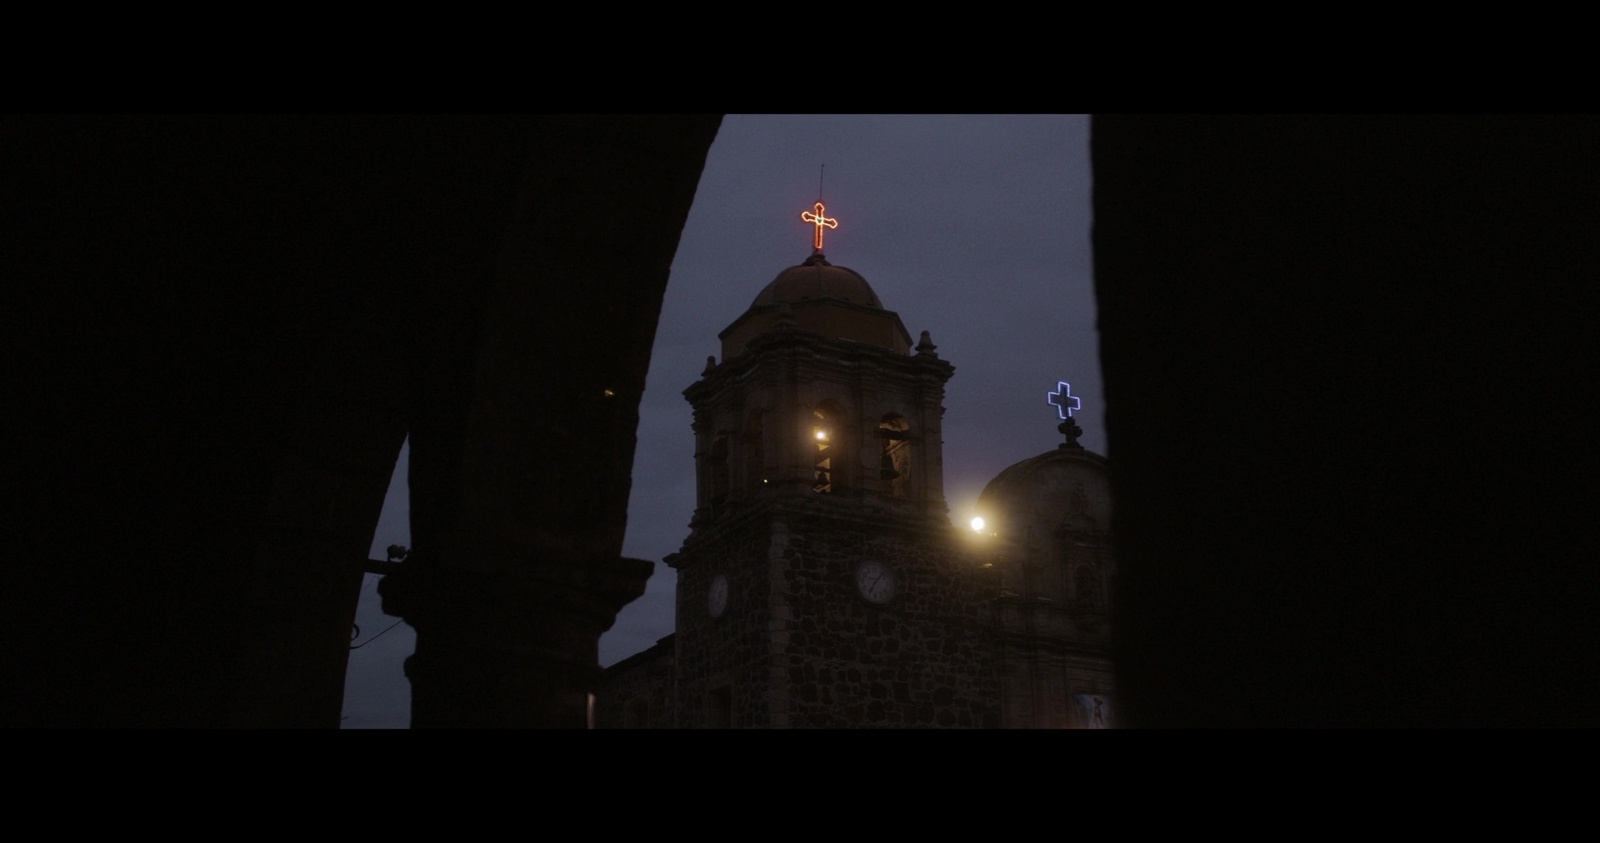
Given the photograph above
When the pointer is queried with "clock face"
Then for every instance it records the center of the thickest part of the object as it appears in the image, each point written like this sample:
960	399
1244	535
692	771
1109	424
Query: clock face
717	597
875	582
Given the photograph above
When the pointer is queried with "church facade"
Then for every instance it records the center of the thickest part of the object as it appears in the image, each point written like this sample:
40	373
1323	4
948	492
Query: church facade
822	584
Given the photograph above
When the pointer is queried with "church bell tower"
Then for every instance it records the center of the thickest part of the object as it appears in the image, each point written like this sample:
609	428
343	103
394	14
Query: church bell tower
821	584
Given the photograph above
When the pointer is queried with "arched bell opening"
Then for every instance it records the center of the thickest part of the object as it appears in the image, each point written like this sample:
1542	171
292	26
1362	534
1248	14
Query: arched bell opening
829	449
717	472
894	461
755	454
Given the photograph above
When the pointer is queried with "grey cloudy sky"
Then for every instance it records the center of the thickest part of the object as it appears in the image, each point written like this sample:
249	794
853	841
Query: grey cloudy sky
972	227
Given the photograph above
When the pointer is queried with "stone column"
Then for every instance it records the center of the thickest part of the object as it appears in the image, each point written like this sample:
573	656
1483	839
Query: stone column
509	595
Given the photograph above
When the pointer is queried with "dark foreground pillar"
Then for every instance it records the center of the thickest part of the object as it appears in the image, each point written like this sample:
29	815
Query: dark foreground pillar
1348	366
520	486
516	647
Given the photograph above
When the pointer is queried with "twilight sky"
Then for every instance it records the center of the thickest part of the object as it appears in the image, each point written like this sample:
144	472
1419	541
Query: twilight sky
974	228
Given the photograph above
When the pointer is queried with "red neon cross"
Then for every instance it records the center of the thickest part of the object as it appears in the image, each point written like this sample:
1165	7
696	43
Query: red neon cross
820	221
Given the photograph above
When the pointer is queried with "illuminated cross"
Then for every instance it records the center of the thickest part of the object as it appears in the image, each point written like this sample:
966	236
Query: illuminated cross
820	221
1061	396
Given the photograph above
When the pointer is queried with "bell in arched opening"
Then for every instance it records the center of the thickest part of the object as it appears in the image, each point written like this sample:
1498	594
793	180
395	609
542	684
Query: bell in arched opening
895	460
827	438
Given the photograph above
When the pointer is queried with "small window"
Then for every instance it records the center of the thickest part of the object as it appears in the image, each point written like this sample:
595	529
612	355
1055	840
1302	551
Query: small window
717	471
1086	586
755	454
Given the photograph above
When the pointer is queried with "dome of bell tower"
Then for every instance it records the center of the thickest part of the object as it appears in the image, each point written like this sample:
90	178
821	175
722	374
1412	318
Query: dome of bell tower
833	301
818	279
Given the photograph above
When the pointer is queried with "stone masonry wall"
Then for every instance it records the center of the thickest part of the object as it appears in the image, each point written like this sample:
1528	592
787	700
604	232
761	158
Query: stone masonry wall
724	655
636	693
923	660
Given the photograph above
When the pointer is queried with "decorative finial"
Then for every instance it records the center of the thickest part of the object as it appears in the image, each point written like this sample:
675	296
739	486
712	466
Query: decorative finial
711	364
925	347
815	217
1072	431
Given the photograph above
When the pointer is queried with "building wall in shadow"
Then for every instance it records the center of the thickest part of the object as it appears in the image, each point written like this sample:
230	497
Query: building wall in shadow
1347	377
223	328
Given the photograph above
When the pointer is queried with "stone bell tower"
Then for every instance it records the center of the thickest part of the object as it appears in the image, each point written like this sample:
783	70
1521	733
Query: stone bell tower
821	584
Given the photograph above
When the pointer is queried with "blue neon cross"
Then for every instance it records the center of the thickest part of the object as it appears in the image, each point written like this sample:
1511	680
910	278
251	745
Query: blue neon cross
1060	397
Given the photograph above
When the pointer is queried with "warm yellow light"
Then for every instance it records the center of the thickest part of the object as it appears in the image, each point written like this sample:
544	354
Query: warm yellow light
822	435
978	523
